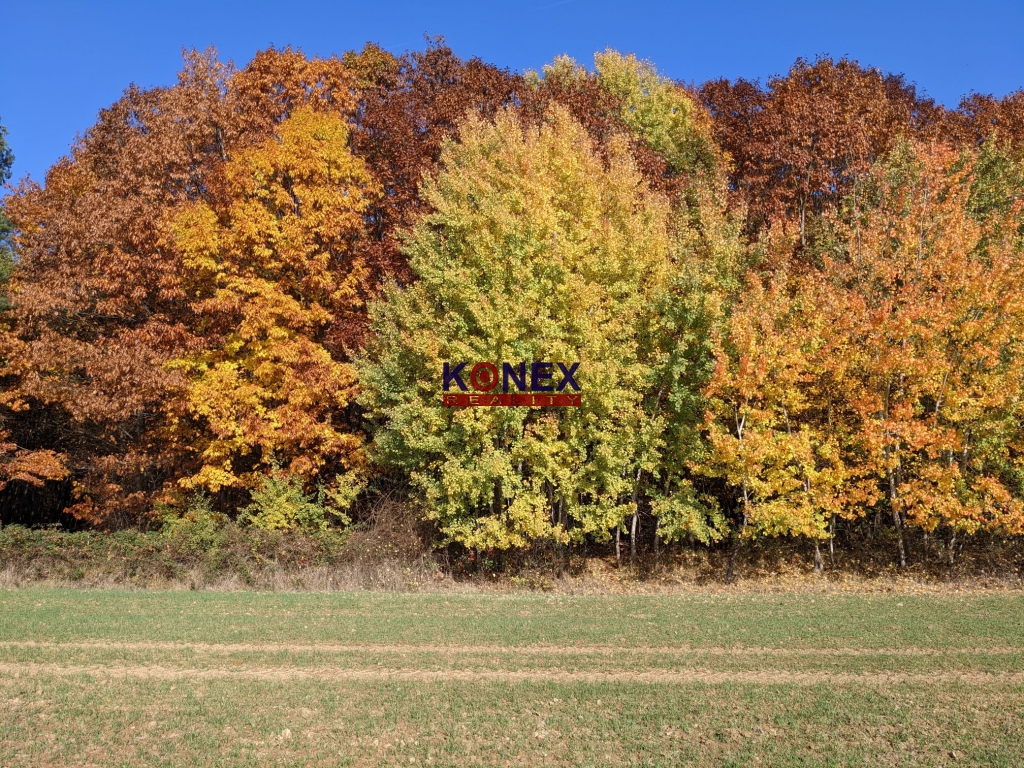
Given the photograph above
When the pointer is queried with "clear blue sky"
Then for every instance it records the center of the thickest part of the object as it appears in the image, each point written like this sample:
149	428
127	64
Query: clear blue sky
63	61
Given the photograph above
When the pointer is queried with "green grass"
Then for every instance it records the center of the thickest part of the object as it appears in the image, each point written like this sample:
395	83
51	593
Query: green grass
203	678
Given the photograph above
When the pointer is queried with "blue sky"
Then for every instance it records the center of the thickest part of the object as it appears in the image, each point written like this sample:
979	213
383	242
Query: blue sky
64	61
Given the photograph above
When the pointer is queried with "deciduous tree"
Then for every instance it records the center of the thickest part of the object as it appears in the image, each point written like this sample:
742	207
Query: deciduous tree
407	106
100	305
797	145
271	268
6	228
536	250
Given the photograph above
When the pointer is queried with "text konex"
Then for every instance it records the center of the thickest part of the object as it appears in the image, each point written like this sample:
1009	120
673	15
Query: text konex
534	384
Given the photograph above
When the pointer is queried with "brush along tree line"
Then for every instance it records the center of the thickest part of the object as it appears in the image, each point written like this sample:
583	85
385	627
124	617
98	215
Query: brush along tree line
796	306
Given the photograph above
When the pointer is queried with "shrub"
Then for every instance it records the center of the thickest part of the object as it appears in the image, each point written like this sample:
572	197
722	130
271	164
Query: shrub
281	503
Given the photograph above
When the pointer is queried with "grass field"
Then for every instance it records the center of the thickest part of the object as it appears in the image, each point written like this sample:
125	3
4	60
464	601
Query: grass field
114	678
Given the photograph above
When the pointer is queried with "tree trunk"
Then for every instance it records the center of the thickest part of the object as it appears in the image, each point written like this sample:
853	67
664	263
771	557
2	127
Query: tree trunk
732	559
563	551
819	564
803	215
632	542
899	537
831	543
738	536
618	548
657	548
632	535
896	519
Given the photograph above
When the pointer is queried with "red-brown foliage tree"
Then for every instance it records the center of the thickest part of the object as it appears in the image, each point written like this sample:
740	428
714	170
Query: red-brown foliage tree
797	145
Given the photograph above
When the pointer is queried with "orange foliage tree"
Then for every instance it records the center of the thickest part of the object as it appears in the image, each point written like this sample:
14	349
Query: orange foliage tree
928	301
770	425
406	107
99	304
890	379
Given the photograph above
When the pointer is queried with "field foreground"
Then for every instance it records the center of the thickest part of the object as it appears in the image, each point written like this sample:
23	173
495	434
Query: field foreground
112	678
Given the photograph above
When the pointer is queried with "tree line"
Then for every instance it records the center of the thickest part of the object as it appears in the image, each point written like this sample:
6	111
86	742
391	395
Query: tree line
797	305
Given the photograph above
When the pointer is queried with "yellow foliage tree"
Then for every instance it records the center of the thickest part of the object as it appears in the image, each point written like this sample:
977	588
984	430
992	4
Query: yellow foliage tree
277	287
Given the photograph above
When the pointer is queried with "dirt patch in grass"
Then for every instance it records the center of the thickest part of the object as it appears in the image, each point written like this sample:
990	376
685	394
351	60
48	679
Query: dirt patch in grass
676	677
514	650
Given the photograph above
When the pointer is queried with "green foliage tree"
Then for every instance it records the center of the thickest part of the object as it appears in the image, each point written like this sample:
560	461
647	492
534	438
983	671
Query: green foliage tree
670	138
536	249
997	191
658	111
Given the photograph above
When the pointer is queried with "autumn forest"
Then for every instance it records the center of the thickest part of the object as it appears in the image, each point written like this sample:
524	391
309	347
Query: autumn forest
798	304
